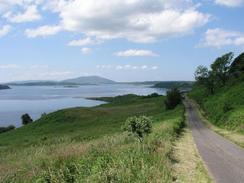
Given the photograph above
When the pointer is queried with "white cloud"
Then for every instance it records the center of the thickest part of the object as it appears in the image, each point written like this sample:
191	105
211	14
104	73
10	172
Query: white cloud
30	14
4	30
83	42
230	3
220	37
9	66
135	20
42	31
144	67
126	67
154	67
85	50
136	53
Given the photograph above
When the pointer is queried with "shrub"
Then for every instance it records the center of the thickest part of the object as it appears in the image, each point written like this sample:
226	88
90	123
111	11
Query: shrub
138	126
26	119
152	95
6	129
227	107
173	98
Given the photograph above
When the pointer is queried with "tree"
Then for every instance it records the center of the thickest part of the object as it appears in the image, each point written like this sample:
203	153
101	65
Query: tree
206	78
26	119
201	74
138	126
173	98
237	66
221	66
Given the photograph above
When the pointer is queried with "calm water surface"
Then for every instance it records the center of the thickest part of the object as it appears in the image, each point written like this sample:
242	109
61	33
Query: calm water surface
36	100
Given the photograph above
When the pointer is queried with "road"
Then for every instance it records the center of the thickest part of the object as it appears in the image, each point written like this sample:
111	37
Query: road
224	159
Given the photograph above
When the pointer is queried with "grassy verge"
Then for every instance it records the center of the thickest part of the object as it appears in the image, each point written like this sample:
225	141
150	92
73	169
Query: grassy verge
189	167
237	138
87	145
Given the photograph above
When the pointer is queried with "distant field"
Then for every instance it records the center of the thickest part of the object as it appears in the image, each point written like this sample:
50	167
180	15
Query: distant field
87	145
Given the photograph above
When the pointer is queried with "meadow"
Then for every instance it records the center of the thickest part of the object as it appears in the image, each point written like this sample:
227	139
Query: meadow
88	145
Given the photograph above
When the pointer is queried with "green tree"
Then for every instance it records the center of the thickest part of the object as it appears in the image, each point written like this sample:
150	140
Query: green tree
221	66
201	74
138	126
206	78
173	98
26	119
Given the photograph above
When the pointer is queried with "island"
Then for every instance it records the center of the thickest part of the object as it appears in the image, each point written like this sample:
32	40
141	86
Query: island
4	87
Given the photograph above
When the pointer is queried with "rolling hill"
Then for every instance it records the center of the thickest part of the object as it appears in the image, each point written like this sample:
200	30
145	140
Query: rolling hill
89	80
84	80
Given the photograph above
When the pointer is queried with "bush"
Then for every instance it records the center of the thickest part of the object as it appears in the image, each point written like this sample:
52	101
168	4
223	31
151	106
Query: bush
152	95
138	126
26	119
173	98
227	107
6	129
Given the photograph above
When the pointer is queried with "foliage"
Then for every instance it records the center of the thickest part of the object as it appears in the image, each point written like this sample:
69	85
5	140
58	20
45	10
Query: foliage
237	67
26	119
138	126
6	129
225	108
221	67
173	98
174	84
205	77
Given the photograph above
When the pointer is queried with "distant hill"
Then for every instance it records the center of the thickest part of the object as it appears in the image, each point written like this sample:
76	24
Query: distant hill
4	87
89	80
85	80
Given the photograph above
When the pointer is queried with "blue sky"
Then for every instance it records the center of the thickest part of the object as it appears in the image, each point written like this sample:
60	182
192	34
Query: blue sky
124	40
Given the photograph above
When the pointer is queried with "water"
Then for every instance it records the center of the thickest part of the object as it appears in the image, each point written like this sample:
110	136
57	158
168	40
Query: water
36	100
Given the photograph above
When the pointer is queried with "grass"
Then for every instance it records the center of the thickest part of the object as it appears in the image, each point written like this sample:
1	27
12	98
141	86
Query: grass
190	167
87	145
225	108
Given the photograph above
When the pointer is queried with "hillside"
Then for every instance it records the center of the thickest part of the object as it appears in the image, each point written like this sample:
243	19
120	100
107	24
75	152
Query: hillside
174	84
223	104
85	80
88	145
4	87
89	80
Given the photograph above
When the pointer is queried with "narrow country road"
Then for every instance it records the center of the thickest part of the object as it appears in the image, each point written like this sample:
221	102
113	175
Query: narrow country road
224	160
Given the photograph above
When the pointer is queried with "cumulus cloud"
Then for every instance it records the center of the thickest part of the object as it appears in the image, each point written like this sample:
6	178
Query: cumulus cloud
220	37
135	20
85	50
136	53
83	42
30	14
4	30
43	31
230	3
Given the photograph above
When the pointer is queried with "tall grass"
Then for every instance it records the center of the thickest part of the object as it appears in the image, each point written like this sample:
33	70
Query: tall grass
116	158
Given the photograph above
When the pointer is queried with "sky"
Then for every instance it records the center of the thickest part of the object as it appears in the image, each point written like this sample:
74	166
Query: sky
123	40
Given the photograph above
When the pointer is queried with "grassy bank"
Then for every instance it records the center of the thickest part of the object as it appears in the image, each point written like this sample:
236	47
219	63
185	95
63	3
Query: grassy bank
225	108
87	145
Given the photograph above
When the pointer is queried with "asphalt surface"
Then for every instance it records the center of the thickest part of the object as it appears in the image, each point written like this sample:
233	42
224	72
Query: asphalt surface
224	159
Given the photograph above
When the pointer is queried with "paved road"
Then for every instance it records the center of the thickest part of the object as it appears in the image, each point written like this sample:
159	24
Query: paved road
224	160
